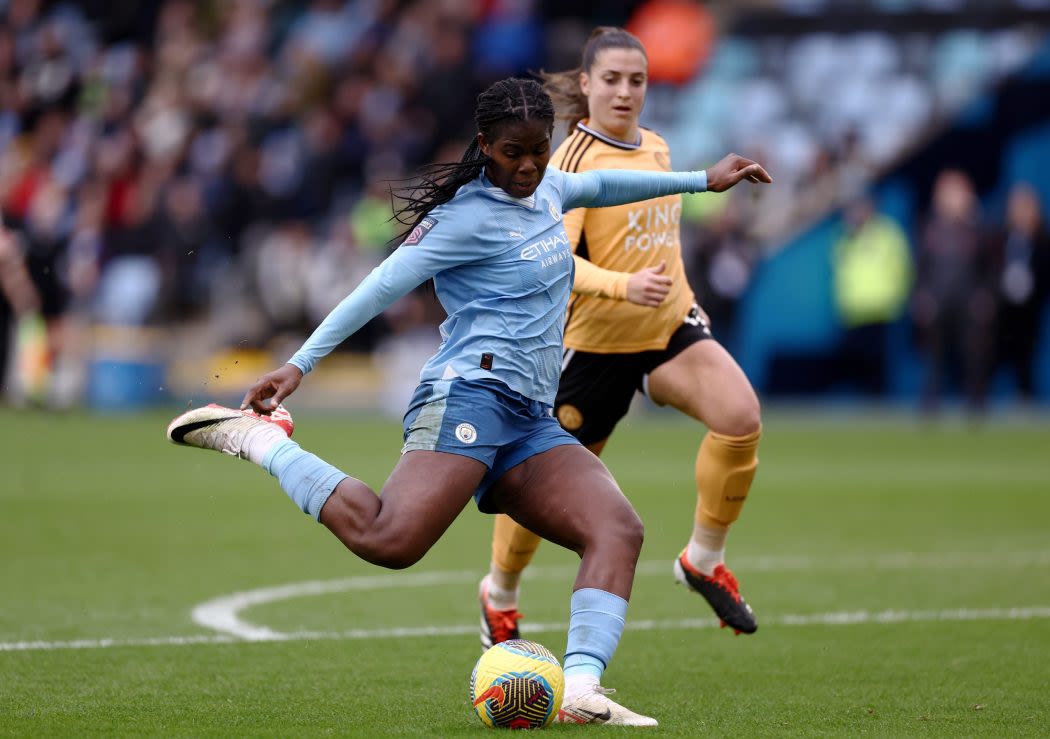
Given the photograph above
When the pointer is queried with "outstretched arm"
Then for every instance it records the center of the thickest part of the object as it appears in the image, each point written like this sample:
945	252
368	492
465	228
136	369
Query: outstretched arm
409	266
601	188
385	284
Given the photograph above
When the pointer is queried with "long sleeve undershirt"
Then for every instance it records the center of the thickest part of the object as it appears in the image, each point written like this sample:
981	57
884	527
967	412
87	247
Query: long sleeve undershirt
450	245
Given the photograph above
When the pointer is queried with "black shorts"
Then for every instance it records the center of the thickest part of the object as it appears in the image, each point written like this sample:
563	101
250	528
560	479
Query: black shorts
596	390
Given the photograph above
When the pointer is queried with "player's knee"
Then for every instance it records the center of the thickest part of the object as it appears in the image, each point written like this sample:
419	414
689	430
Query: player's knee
626	529
749	417
743	417
634	533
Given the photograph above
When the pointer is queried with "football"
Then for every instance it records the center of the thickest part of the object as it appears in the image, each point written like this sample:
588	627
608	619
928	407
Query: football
517	684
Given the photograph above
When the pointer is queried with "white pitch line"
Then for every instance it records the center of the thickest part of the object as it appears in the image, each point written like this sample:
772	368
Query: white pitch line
833	618
222	614
150	641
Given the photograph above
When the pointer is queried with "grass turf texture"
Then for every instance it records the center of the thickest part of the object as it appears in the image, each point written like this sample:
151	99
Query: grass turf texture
110	533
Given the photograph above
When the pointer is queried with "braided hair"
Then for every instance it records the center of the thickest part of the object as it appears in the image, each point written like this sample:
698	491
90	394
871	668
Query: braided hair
564	87
505	101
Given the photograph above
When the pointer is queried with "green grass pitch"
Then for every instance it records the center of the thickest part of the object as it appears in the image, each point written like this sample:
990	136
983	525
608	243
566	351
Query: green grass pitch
900	572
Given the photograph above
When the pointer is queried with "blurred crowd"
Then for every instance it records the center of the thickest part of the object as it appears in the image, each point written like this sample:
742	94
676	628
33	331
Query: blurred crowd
225	160
226	166
972	289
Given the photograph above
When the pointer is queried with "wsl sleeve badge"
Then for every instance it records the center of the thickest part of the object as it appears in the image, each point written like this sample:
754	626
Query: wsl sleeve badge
422	229
517	684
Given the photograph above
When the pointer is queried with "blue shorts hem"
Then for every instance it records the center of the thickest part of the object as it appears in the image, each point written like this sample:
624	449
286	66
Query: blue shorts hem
510	462
477	454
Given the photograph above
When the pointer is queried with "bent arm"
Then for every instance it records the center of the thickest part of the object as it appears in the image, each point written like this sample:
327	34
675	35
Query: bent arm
600	188
598	282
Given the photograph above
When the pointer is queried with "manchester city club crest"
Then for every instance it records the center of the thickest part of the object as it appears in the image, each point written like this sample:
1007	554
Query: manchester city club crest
466	433
555	213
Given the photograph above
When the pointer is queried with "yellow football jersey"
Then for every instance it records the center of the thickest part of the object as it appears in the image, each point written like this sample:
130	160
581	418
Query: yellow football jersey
611	242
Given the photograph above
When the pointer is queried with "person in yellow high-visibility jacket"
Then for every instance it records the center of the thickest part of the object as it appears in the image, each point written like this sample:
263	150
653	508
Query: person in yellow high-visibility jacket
873	273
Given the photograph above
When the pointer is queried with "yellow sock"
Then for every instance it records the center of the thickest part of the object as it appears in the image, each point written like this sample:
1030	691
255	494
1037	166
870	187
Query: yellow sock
725	467
512	550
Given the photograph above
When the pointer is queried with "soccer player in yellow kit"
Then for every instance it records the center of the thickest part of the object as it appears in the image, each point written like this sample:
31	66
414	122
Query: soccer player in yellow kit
633	325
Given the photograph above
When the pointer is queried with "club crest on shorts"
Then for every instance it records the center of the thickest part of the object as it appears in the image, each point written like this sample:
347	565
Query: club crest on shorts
421	230
569	417
466	433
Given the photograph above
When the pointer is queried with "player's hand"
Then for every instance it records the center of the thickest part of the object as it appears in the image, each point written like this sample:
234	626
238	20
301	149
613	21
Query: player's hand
731	170
271	389
649	286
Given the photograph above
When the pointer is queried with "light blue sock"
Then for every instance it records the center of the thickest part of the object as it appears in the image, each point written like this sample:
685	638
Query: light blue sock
596	620
307	478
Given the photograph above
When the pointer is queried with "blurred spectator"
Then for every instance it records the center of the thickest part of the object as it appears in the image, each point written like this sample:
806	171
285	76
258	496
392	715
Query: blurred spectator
282	263
954	304
872	273
129	286
185	249
18	298
370	221
1023	285
720	266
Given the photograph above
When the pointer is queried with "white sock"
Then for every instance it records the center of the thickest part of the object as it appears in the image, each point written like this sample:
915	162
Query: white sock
578	685
707	548
259	440
503	580
500	597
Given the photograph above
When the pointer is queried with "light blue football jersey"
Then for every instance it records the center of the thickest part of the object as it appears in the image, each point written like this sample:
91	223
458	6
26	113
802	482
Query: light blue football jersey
503	271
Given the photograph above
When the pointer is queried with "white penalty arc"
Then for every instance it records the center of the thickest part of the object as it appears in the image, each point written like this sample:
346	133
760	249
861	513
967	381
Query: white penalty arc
223	614
832	618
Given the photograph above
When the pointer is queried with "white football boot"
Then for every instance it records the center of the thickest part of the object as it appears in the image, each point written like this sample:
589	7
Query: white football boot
228	430
596	707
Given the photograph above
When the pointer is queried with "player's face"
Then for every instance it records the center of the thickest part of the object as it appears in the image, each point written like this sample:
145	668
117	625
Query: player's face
519	151
615	88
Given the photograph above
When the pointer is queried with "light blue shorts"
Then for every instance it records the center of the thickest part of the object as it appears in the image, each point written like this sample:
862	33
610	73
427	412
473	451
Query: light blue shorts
484	420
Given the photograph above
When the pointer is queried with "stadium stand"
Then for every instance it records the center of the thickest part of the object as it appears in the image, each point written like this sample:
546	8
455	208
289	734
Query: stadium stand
215	176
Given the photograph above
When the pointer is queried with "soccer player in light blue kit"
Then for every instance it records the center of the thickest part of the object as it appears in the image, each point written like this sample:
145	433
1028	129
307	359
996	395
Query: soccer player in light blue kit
488	231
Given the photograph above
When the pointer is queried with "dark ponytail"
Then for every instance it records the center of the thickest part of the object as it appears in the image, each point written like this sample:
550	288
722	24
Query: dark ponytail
564	87
506	100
